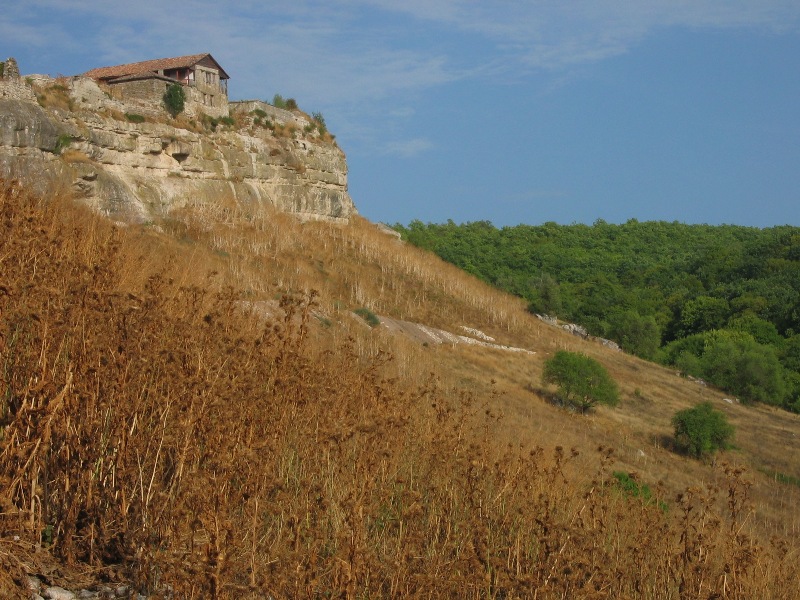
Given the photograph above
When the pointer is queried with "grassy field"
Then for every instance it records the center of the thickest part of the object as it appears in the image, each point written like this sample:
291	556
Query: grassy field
192	406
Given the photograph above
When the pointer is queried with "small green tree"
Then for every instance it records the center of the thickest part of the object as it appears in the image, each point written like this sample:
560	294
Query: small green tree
702	430
175	99
583	382
320	120
278	101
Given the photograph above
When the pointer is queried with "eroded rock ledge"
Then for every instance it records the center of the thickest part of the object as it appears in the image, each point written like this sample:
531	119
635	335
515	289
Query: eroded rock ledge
139	171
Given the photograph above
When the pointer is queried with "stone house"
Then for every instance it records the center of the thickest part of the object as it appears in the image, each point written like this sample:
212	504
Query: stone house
144	83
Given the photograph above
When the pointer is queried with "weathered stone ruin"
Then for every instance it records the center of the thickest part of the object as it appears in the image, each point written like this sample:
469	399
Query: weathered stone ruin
10	70
11	84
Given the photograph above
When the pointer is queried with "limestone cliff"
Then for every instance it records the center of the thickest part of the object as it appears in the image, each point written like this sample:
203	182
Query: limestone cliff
141	165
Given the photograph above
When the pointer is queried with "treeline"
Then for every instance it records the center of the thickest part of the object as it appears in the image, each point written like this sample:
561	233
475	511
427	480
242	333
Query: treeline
719	302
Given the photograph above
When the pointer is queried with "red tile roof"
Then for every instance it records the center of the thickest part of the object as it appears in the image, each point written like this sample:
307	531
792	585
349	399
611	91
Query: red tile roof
150	66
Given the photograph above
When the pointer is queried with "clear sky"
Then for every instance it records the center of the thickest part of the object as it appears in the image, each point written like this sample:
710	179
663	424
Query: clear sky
512	111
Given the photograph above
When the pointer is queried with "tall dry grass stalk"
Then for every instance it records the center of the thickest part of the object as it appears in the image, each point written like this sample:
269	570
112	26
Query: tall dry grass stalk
354	263
156	427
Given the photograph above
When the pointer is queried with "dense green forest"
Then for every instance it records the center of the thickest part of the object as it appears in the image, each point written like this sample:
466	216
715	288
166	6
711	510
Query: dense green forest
718	302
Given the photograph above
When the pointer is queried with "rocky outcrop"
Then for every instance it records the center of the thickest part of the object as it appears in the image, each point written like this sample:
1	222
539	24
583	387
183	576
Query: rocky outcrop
139	167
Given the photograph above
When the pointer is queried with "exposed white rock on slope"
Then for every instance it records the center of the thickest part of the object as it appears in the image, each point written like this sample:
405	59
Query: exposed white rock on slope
431	335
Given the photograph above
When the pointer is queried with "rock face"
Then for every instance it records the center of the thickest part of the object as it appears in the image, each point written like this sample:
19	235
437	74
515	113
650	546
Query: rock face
139	167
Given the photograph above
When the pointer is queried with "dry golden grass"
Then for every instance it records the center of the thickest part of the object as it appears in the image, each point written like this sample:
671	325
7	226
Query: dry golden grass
199	412
55	95
71	155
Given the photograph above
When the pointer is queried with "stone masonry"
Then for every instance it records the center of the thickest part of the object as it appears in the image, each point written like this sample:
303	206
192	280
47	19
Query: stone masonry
10	69
11	85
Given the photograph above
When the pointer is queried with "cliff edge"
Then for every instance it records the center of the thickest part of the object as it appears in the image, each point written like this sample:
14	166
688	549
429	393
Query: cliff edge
137	163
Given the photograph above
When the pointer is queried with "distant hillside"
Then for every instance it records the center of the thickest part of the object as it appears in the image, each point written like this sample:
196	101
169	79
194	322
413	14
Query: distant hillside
719	302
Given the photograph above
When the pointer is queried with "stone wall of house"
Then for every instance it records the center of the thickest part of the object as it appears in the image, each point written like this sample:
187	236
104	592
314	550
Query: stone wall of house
147	96
209	97
142	96
202	99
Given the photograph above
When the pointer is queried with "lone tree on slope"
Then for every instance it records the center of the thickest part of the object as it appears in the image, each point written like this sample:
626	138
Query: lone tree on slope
702	430
582	381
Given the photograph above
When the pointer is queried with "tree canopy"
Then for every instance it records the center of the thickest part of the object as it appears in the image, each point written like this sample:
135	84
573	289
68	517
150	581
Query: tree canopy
582	381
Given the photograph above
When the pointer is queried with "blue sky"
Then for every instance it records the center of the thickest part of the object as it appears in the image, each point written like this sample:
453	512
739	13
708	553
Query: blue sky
511	111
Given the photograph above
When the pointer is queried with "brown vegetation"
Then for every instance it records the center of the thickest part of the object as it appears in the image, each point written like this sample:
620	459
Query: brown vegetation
166	421
55	95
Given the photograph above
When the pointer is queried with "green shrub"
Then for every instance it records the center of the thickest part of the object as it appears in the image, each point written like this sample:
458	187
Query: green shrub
210	122
213	122
175	99
258	113
2	69
291	104
370	317
628	485
134	118
278	101
702	430
320	122
781	477
62	143
583	382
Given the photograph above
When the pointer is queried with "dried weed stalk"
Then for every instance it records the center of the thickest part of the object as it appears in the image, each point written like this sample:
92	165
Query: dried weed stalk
166	434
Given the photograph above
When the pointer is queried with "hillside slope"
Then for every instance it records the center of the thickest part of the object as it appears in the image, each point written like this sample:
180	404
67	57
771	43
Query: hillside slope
721	303
192	406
